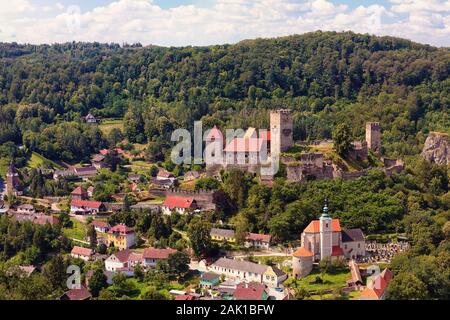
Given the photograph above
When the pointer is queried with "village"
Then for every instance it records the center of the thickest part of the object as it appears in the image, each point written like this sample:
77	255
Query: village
330	260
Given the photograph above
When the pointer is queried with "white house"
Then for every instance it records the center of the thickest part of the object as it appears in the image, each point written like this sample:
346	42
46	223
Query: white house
81	253
180	204
151	256
86	206
123	260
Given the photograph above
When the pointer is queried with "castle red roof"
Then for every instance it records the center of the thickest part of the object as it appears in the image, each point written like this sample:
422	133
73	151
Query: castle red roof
314	226
178	202
86	203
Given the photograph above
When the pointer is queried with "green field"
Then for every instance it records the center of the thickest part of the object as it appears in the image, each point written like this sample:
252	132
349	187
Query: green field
78	230
37	161
108	124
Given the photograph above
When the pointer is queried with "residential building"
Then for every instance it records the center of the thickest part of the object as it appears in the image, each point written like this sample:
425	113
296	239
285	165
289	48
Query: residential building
90	191
121	236
376	286
90	118
254	240
135	178
209	280
77	294
226	235
165	175
86	172
123	261
82	253
79	193
151	256
43	219
191	175
250	291
86	207
258	241
98	161
180	204
249	272
101	226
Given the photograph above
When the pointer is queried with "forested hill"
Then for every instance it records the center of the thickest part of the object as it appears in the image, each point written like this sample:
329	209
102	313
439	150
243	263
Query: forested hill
324	77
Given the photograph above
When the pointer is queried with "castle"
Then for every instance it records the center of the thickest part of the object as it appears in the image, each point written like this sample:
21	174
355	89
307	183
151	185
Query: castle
257	149
323	239
253	148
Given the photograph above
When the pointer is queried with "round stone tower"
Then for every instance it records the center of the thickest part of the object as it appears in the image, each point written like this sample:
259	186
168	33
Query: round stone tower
302	262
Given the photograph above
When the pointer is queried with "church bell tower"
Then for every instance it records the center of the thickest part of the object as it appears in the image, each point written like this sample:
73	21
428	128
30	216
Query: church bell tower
326	233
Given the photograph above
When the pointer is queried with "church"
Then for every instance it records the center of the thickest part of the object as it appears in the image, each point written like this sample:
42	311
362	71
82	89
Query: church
324	238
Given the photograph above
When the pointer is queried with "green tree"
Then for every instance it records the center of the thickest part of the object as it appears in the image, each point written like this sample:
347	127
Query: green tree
97	282
343	139
406	286
179	263
200	238
92	235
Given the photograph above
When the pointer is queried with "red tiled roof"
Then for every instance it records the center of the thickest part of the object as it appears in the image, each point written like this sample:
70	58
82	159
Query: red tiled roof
86	203
378	286
81	251
153	253
121	228
100	224
78	191
258	237
178	202
314	226
245	145
165	174
123	255
302	252
42	219
337	251
249	291
77	294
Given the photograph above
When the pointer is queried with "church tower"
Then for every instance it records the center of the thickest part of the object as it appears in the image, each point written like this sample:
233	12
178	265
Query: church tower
373	136
281	130
12	179
326	233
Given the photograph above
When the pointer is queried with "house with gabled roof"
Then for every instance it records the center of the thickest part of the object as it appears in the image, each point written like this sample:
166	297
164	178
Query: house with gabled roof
180	204
251	291
151	256
377	286
81	253
121	236
123	261
79	193
247	271
77	294
86	206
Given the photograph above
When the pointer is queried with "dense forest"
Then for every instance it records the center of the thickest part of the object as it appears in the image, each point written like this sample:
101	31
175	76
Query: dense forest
324	77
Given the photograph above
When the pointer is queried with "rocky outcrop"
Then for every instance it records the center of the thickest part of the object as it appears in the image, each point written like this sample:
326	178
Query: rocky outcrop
437	148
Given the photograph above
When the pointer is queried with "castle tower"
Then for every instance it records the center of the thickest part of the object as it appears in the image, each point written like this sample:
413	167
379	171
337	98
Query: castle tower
326	234
12	179
373	136
281	129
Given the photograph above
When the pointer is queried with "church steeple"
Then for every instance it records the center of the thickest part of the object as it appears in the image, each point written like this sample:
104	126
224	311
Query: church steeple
325	210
